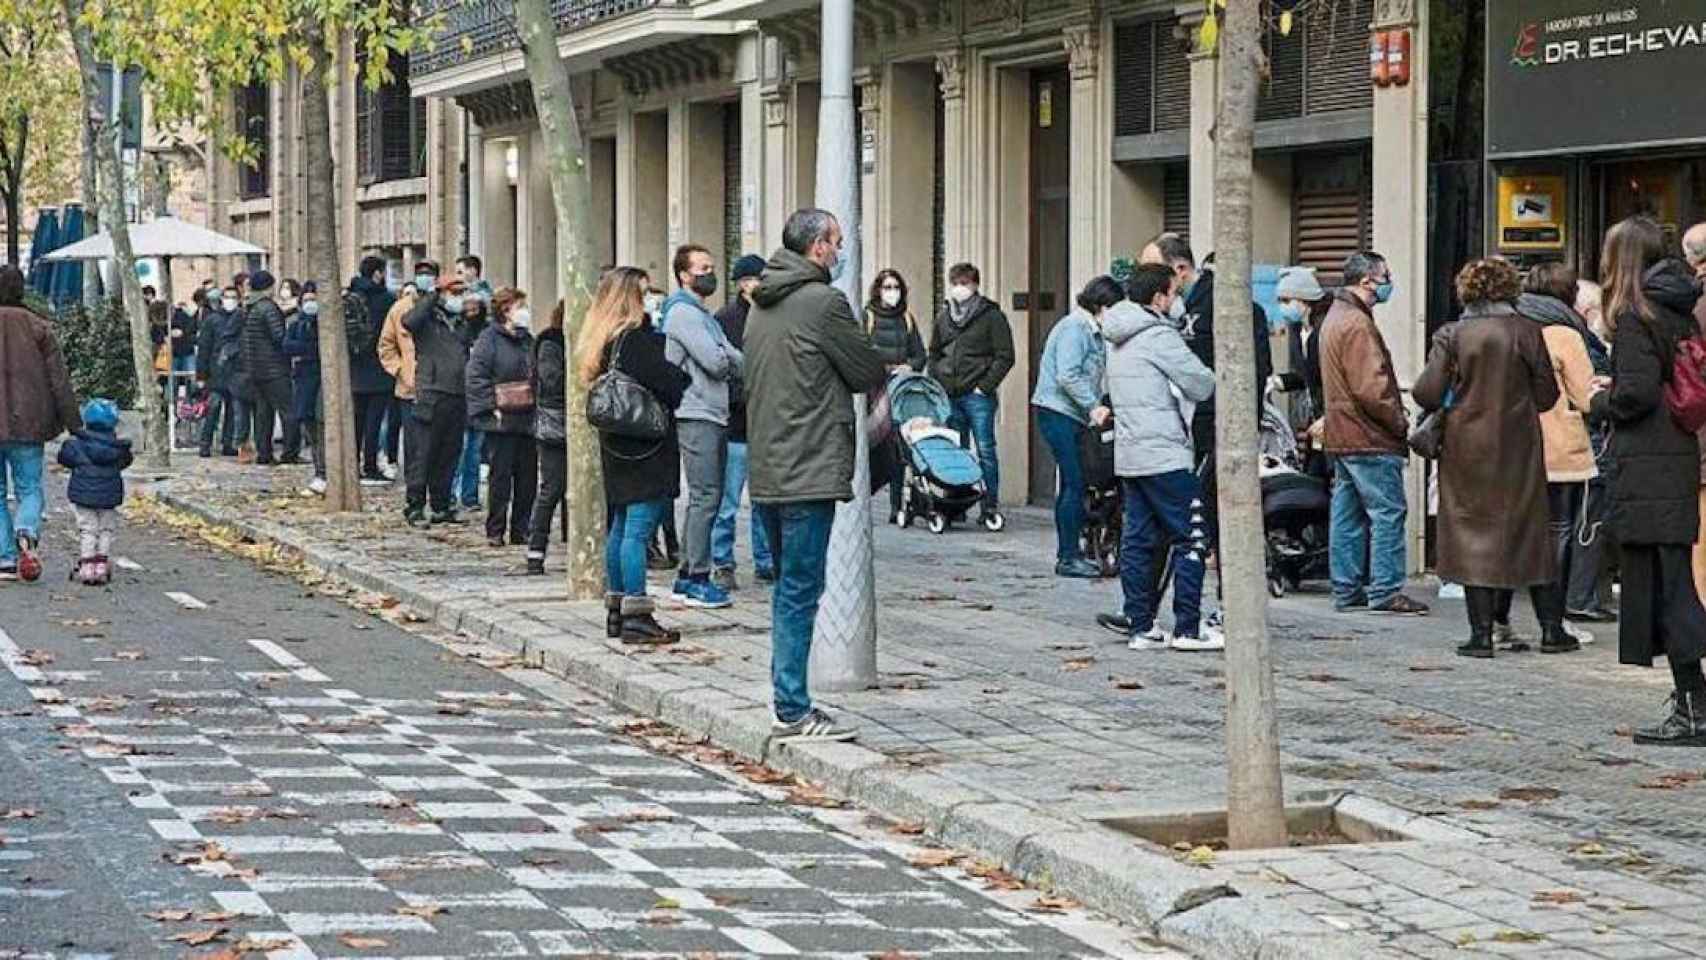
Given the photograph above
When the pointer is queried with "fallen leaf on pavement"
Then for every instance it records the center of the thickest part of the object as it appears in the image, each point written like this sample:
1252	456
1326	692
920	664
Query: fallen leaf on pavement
724	900
1589	849
196	938
260	945
534	860
1671	781
1420	766
1529	794
211	851
1558	896
758	773
889	955
993	877
648	816
39	658
1076	664
1125	683
453	710
806	795
1517	936
931	859
906	828
1054	905
660	920
169	916
1429	668
18	813
1068	646
1479	804
129	655
1201	855
358	942
426	911
1425	727
223	916
1098	788
665	903
1321	678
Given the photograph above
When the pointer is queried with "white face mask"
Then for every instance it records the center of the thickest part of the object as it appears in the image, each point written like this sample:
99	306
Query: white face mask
520	318
891	298
653	303
310	308
960	293
228	304
1177	310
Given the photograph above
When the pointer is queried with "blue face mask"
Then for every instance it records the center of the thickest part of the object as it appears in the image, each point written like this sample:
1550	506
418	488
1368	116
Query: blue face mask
310	308
1383	292
1292	312
837	267
424	282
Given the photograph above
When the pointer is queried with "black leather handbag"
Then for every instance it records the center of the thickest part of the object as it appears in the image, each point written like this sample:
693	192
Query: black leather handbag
620	406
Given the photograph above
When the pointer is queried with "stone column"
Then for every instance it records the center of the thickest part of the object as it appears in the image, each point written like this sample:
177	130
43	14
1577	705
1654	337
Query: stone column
756	234
1205	93
497	231
775	196
1400	219
1092	147
444	181
802	146
869	131
902	229
642	192
951	71
695	179
474	231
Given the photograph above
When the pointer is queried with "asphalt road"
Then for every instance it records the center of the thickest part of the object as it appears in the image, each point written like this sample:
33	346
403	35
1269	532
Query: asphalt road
278	771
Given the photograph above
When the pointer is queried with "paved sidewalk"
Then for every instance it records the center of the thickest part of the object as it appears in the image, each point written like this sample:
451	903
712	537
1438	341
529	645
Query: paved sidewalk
1012	726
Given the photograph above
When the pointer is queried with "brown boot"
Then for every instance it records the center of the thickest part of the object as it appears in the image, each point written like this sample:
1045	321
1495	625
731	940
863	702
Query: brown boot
639	627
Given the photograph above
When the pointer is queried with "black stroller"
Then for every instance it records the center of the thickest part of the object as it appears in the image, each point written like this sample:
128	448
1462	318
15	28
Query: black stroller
1103	516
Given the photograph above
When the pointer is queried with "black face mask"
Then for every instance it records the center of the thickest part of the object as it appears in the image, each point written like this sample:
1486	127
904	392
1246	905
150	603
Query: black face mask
705	284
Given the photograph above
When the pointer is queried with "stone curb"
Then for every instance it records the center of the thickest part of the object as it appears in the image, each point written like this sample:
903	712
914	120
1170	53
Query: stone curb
1190	908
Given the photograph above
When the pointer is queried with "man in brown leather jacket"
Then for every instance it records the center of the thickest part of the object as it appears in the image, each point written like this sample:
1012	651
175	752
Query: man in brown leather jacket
36	405
1365	433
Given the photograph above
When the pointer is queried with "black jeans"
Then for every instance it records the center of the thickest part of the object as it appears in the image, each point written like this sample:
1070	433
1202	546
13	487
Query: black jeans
223	413
553	484
369	416
1587	559
440	420
1563	511
414	444
272	402
514	479
397	415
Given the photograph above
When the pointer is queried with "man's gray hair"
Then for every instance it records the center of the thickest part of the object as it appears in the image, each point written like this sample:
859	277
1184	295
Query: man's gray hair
1361	265
1694	243
805	228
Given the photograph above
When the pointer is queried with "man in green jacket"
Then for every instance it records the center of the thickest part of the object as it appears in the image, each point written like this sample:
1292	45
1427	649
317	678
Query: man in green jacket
806	357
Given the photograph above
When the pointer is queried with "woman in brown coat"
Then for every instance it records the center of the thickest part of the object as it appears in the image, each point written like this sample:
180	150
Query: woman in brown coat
1492	371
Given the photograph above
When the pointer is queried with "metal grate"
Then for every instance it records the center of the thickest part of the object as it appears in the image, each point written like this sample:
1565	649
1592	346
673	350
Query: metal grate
1134	79
1336	41
1172	80
488	26
1282	94
1176	199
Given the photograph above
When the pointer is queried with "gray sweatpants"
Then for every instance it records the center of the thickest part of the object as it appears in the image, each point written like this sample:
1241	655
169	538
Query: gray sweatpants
95	530
704	449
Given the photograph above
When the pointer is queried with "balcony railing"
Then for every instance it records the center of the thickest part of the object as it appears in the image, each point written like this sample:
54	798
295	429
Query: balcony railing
473	29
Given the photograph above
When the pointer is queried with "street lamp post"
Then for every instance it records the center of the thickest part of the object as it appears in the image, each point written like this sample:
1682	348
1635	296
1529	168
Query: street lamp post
844	648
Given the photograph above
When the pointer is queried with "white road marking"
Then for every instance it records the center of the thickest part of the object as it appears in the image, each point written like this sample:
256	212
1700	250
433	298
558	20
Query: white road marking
257	845
325	924
760	941
125	563
290	661
184	600
242	901
175	829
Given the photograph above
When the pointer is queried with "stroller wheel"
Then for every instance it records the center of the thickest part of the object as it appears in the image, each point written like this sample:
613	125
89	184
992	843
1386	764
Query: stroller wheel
938	522
1276	587
994	522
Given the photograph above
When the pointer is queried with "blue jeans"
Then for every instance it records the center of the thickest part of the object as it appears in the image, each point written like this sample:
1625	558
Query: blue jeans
1368	503
1165	507
630	528
974	417
467	480
800	533
23	461
723	531
1062	434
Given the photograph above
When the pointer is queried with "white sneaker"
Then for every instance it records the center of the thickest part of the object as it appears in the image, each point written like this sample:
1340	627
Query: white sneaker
1154	638
1208	638
389	471
1583	636
317	487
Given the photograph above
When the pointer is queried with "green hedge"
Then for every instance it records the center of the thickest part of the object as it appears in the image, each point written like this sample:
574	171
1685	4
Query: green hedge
96	344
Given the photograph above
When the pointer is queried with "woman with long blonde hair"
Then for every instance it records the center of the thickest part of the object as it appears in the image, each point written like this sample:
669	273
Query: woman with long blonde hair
642	478
1649	299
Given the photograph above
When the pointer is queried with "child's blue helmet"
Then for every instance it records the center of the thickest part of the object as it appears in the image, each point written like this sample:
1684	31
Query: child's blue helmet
100	412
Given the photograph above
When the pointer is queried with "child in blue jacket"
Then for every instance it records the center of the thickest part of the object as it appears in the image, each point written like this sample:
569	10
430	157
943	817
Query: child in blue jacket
97	458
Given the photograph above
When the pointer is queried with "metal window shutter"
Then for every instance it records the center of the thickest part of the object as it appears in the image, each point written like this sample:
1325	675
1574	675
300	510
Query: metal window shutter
417	134
1176	199
938	212
396	123
1332	211
1282	93
1172	80
731	188
364	119
1336	49
254	122
1134	79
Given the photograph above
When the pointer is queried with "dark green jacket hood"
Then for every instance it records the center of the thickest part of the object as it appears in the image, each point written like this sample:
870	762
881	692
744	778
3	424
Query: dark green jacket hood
784	275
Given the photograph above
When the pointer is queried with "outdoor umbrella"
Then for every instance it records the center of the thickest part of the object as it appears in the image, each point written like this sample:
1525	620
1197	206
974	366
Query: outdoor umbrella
42	243
162	237
68	277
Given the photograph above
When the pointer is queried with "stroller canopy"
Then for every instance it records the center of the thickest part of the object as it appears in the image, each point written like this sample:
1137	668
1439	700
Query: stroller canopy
913	395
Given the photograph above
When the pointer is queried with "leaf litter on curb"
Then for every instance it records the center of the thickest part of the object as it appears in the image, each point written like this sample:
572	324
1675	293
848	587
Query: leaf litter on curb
1054	905
356	941
196	938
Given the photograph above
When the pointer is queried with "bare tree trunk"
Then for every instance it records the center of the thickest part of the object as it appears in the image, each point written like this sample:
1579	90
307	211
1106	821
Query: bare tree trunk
1254	797
571	189
103	126
91	203
12	157
337	419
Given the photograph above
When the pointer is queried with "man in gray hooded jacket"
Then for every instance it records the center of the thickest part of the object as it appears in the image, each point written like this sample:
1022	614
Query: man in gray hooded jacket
1155	383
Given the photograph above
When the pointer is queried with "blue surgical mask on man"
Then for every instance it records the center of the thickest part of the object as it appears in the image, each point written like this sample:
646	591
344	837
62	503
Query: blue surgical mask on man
837	267
1383	291
1292	312
453	304
424	282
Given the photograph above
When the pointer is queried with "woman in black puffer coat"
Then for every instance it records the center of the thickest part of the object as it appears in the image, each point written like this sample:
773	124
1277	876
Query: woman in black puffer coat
550	432
1654	505
503	355
894	332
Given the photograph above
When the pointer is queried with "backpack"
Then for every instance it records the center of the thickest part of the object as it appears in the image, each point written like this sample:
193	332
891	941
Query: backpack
1685	393
359	335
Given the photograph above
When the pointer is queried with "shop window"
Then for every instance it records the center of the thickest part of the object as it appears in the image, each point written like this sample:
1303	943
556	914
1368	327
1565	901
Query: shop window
252	115
391	125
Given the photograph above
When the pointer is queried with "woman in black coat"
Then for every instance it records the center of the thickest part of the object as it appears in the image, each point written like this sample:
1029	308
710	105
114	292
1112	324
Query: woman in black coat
550	433
641	477
1654	507
893	328
503	355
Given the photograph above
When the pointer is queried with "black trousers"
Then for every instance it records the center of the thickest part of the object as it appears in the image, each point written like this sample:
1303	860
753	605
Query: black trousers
223	412
553	484
414	443
514	479
440	420
369	417
1661	612
272	402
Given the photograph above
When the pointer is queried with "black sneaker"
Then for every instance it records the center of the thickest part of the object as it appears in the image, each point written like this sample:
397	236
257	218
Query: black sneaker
1683	725
1116	622
1595	615
415	517
448	518
374	479
764	575
205	453
815	725
1400	605
1079	569
536	566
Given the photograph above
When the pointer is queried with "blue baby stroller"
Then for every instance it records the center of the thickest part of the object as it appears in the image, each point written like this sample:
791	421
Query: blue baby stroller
943	479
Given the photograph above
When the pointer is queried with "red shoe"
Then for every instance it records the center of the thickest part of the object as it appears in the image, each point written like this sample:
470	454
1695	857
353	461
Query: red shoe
29	565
